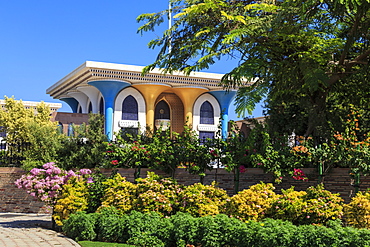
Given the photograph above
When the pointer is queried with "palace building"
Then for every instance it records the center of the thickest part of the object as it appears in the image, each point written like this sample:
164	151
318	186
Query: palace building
130	100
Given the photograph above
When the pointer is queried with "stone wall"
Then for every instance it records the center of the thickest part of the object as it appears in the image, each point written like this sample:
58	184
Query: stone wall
337	180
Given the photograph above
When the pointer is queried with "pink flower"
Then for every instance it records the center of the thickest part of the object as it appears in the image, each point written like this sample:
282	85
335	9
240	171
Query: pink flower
85	171
114	162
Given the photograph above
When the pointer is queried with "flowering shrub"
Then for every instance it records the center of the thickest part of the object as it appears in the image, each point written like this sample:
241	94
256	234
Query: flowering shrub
357	212
298	174
156	194
201	200
321	206
119	193
289	206
46	184
252	203
74	198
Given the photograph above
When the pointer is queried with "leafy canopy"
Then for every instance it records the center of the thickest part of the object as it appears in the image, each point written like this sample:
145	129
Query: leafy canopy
283	48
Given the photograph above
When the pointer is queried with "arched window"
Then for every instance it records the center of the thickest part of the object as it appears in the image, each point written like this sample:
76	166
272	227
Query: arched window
90	108
130	109
206	113
101	106
162	110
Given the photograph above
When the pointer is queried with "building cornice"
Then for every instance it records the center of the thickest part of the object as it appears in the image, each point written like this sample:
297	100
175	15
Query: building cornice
92	71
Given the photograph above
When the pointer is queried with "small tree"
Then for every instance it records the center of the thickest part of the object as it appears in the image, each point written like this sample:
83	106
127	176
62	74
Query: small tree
32	126
85	149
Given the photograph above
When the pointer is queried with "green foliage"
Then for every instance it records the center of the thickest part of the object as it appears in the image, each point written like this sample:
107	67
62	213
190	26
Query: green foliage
211	231
252	203
161	150
201	200
96	190
357	212
148	229
111	225
72	199
293	51
80	226
184	229
85	149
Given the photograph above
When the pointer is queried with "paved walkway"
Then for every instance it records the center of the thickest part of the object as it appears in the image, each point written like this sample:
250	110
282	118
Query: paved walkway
30	230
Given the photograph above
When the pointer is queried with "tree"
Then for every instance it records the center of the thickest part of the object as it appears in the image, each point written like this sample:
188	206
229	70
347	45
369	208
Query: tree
85	149
32	126
289	50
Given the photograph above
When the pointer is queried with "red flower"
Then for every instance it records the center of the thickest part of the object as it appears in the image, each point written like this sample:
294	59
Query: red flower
242	169
114	162
299	175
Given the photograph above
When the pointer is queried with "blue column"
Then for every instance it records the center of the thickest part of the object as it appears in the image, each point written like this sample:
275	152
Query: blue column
224	98
72	102
109	90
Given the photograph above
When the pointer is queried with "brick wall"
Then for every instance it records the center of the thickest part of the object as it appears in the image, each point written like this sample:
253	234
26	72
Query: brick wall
13	199
338	180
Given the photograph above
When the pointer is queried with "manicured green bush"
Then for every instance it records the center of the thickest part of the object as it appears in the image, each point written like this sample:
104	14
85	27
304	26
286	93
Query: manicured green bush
151	227
184	230
111	225
80	226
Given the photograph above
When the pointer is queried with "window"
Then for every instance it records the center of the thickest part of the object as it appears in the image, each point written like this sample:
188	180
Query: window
162	110
130	109
206	113
71	131
90	108
204	135
101	106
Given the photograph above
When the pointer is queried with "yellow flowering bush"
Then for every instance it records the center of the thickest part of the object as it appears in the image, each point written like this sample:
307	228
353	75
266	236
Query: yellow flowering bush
72	199
321	206
289	206
357	212
201	200
157	194
119	193
252	203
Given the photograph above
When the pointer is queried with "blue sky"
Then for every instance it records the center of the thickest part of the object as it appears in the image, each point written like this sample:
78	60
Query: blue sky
44	40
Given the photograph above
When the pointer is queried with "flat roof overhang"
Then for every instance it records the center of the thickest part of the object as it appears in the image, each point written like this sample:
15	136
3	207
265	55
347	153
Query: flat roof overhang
92	71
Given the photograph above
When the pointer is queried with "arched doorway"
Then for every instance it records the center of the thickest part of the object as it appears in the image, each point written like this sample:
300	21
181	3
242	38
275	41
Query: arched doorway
162	115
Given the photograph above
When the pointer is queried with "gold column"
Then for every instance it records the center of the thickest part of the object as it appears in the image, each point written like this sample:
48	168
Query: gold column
188	95
150	93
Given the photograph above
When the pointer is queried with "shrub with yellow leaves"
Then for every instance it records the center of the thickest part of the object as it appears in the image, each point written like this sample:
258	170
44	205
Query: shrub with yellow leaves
357	212
73	199
119	193
252	203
